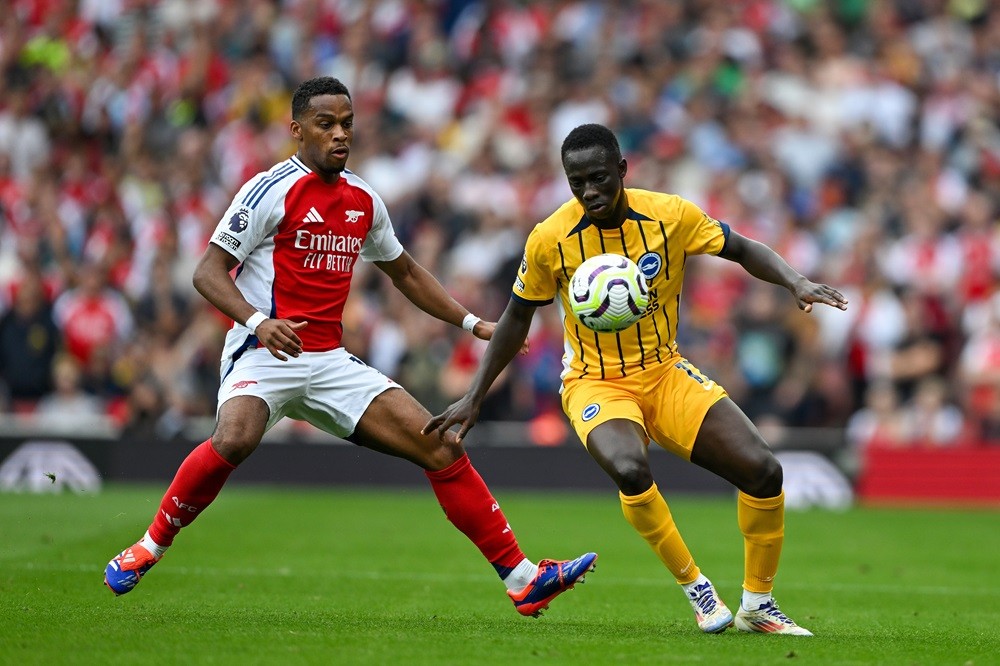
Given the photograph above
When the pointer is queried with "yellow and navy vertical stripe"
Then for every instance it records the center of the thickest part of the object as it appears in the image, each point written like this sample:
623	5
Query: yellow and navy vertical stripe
658	234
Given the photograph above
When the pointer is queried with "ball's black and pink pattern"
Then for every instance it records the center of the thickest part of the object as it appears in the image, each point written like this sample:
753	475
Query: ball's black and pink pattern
608	293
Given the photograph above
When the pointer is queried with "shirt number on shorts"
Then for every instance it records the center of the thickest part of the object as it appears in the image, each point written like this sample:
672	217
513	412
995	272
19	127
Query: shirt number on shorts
698	377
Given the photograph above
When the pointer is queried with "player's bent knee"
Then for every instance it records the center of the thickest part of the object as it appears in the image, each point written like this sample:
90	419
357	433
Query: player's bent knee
444	455
766	479
632	475
241	425
235	444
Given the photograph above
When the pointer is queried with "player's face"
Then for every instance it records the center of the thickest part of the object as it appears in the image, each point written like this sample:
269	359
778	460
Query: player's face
325	132
595	178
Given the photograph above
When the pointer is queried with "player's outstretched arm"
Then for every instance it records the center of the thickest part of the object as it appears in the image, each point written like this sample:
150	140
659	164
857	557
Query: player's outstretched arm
765	264
212	280
423	290
508	338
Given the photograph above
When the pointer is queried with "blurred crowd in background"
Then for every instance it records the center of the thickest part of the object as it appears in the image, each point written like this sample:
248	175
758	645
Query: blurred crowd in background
859	139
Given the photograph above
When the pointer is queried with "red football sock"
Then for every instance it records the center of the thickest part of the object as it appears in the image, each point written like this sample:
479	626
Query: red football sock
470	507
197	482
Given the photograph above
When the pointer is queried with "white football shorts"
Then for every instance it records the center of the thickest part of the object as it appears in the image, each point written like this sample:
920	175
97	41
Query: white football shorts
331	389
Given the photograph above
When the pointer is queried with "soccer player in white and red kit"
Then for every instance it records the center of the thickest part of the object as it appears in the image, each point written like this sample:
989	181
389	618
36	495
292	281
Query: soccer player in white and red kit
296	233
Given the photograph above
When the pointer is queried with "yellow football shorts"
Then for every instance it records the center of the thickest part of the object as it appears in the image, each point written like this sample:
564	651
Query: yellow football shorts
669	400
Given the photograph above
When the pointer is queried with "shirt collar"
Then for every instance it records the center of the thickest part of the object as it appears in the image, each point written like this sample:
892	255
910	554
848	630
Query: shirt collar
585	221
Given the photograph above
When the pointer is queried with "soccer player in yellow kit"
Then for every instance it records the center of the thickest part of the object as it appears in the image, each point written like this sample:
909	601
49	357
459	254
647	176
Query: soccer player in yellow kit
623	390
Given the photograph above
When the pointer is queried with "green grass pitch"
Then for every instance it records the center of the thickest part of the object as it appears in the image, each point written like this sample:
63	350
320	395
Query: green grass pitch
306	576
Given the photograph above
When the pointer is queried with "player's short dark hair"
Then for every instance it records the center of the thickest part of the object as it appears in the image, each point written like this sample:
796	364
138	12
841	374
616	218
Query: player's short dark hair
321	85
589	136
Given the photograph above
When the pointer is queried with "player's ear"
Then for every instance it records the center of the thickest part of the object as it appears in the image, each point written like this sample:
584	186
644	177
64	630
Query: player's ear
296	130
622	168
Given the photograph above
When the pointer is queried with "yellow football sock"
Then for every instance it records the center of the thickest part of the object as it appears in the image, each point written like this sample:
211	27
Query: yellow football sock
762	522
649	515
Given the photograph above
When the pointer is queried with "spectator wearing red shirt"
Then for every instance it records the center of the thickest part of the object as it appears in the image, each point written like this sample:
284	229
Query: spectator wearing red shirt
92	315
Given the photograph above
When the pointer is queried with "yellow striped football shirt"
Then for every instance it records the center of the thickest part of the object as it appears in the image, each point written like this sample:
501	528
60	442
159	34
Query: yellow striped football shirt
659	233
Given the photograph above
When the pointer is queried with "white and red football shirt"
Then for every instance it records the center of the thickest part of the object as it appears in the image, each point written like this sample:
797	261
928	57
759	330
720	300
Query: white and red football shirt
298	240
91	321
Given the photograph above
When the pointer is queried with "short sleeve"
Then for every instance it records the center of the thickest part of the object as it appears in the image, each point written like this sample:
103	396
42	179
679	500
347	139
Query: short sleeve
535	283
244	226
703	234
381	243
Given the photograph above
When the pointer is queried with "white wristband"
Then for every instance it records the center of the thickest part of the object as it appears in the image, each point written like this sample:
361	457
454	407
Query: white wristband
254	321
470	322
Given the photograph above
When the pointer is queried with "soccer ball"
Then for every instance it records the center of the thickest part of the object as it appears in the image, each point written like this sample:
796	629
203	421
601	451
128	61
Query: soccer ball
608	293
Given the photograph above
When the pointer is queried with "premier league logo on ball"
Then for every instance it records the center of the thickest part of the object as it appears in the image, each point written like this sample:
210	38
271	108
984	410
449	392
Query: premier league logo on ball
239	221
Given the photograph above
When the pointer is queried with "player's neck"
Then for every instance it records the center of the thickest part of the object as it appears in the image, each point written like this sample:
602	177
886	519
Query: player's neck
325	175
608	225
